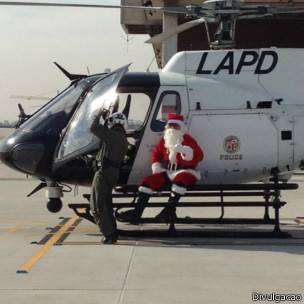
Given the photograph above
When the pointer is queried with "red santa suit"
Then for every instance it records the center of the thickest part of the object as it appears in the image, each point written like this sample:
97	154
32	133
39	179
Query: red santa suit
175	164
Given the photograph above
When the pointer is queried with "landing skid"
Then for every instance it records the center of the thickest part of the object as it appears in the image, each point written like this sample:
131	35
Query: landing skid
83	211
269	192
203	234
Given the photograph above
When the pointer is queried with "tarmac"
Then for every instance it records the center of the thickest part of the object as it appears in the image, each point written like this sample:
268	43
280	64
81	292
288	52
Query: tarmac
58	258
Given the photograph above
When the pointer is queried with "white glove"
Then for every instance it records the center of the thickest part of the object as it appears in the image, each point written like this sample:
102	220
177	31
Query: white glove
185	151
102	121
178	148
157	168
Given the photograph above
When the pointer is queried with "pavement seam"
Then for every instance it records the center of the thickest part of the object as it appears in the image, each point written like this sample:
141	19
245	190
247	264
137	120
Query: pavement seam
127	274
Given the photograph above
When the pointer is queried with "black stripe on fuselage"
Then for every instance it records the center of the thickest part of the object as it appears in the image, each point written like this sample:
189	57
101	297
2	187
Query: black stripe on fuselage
140	80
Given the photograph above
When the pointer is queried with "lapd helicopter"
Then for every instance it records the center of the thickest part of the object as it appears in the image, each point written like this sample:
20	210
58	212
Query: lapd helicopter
244	107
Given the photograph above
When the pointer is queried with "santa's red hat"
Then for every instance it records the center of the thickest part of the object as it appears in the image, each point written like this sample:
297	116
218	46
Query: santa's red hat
174	118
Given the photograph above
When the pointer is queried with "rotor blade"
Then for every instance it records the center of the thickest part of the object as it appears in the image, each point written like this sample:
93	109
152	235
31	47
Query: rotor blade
285	10
176	30
230	11
266	11
213	1
174	10
254	16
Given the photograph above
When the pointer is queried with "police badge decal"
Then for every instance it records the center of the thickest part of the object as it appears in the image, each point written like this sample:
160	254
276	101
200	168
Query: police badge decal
231	146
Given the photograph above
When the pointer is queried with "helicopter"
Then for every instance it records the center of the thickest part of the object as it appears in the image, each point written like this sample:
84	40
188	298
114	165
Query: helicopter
244	107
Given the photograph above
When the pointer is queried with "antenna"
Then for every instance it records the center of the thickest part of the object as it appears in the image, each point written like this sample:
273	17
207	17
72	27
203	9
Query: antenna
127	39
69	75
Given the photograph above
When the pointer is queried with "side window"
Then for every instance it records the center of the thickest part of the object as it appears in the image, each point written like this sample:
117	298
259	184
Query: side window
169	102
135	106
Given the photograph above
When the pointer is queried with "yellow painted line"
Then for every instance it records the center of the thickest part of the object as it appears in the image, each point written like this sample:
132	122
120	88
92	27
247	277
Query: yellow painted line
26	267
12	230
9	230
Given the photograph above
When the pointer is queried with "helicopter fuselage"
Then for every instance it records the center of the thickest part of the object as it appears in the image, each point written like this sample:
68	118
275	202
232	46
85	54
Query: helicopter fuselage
244	107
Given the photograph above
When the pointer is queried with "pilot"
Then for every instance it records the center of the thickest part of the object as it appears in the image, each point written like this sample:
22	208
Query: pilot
174	162
113	148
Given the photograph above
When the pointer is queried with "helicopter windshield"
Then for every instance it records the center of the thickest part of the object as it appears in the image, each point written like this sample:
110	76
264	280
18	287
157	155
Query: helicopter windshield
78	138
53	117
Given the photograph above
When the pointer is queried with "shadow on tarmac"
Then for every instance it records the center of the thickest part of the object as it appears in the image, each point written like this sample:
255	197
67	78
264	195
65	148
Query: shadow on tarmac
292	245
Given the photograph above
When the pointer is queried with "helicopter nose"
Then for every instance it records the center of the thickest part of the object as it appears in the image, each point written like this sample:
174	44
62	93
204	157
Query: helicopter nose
6	147
22	156
6	152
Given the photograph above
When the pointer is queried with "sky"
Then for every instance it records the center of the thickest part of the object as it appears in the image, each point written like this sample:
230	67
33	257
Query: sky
32	38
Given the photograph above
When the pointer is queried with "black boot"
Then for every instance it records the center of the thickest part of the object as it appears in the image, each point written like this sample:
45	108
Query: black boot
168	214
133	216
110	239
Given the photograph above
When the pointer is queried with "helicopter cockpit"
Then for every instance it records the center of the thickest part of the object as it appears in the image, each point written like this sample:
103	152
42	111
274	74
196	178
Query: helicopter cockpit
78	139
55	143
116	92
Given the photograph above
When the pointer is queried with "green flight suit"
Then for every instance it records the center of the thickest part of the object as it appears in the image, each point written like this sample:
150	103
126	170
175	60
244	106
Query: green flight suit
113	149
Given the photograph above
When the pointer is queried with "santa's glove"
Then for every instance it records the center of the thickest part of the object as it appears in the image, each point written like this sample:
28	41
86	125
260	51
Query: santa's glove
185	151
157	168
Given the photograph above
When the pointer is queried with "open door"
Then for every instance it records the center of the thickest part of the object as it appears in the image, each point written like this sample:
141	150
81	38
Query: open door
78	140
169	99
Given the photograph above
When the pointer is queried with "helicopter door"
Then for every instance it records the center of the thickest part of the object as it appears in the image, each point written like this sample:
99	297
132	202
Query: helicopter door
169	99
78	140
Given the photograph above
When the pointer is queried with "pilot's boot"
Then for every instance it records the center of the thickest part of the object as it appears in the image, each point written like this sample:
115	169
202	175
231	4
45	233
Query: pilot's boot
110	239
133	216
168	214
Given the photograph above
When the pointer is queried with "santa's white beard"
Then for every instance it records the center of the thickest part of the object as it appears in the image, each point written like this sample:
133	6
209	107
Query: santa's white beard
172	137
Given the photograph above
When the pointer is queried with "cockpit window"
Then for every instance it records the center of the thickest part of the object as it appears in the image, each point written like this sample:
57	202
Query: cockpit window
169	102
102	95
53	117
135	106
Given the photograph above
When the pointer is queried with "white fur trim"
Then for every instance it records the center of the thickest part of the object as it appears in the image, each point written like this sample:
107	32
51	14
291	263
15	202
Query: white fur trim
182	124
172	174
157	168
145	190
187	153
178	122
172	155
175	121
178	189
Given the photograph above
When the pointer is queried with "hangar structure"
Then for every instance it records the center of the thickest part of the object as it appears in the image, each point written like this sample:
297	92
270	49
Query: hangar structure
284	30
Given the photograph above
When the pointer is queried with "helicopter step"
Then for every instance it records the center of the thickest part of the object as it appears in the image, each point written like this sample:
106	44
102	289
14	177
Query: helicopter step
269	192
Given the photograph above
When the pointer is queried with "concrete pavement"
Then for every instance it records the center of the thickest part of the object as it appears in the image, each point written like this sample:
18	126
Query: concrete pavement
79	269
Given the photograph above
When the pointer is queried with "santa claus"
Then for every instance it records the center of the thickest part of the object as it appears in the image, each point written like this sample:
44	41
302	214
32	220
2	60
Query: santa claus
174	162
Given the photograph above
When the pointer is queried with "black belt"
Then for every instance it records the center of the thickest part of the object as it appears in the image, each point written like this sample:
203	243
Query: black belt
107	163
175	167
